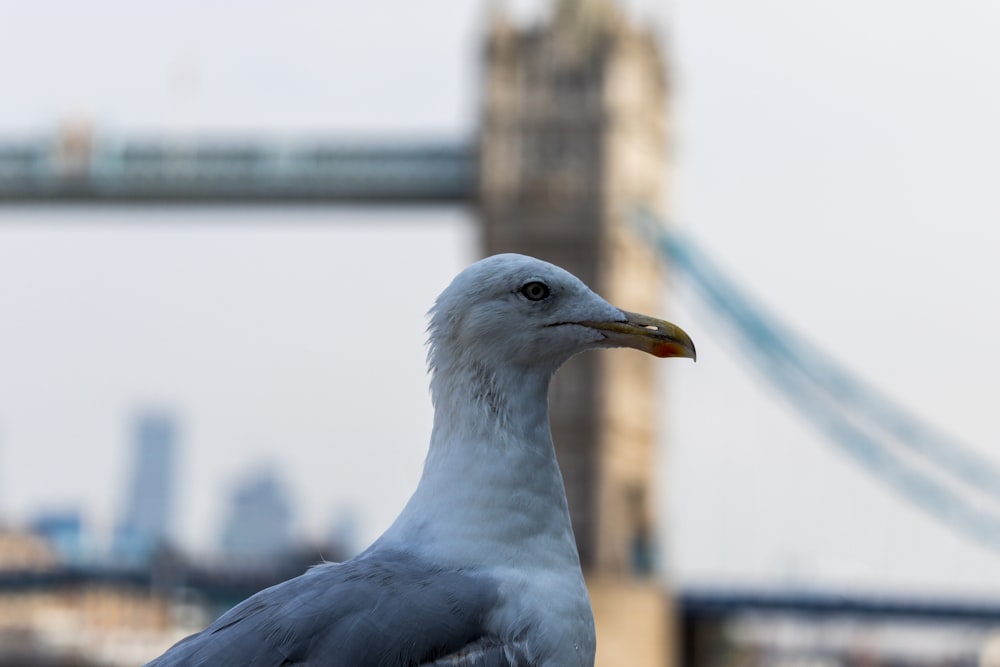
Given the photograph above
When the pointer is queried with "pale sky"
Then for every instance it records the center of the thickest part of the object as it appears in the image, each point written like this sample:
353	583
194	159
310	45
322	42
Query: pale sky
839	159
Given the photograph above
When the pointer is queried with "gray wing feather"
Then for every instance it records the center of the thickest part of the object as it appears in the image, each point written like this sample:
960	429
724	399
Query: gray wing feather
487	652
383	609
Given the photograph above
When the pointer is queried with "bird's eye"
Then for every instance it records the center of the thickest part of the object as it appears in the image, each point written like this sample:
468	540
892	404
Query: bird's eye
534	291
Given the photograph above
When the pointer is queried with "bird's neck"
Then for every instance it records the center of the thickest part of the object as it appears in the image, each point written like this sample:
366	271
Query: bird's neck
491	405
491	488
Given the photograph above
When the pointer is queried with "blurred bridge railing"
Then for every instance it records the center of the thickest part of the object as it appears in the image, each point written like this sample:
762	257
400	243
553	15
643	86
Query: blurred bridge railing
80	168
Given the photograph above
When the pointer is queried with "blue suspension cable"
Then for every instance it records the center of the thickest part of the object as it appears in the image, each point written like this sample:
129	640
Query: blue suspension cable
823	392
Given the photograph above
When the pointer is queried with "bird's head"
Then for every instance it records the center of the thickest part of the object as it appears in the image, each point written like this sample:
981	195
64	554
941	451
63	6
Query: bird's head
519	311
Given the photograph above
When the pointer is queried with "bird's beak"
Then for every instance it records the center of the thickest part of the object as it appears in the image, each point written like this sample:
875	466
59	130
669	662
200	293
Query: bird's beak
657	337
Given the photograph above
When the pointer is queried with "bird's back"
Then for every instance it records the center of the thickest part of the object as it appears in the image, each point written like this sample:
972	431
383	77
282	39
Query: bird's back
385	608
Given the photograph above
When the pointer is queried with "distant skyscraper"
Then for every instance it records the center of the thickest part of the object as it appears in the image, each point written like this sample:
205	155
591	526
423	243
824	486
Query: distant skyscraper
146	519
257	529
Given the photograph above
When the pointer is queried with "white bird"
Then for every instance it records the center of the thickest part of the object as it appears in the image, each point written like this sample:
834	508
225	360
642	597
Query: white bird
480	569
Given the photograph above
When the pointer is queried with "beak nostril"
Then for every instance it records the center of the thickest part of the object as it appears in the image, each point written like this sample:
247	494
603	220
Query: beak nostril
652	327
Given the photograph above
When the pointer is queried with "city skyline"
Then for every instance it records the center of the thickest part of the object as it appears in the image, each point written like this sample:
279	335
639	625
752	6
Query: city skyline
260	524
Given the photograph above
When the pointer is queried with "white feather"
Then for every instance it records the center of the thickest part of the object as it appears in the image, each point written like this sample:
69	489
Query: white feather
491	496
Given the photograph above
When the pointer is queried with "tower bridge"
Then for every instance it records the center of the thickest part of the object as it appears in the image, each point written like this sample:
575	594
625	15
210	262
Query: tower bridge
572	132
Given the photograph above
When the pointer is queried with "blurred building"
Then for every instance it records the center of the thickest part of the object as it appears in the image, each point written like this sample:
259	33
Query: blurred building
258	527
64	531
146	517
344	540
52	615
797	640
25	552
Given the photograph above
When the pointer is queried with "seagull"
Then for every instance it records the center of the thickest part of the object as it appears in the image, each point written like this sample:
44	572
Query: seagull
480	569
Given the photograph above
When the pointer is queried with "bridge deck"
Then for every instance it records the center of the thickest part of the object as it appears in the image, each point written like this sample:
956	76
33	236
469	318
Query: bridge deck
288	172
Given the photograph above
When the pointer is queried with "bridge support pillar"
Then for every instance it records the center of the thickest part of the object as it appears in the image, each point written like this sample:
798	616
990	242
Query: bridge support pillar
573	134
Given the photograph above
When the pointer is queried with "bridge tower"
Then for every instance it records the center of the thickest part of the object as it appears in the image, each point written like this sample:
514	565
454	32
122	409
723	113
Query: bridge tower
573	133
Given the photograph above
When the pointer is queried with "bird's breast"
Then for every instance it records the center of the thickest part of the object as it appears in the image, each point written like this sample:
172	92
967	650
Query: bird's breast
548	609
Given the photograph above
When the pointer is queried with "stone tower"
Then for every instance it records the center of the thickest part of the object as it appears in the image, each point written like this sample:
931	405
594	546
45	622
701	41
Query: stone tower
573	135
